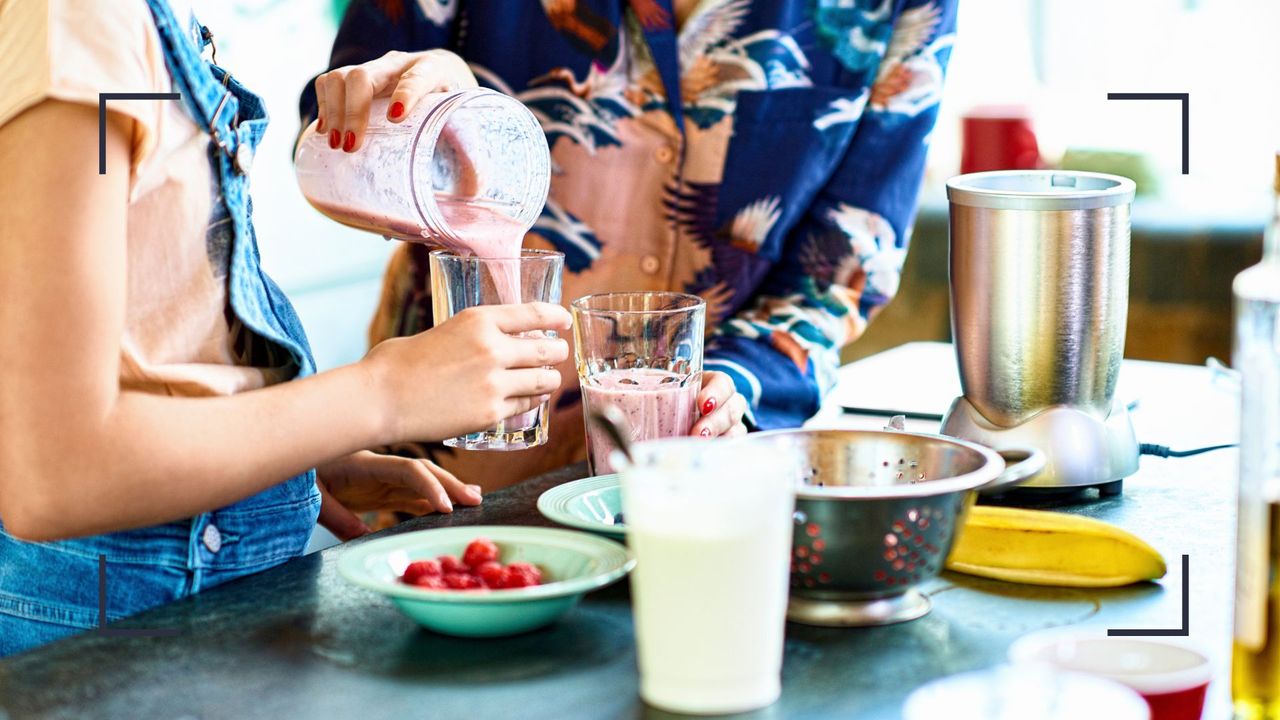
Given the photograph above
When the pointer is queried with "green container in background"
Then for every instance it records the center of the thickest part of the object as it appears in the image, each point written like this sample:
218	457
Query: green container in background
1136	166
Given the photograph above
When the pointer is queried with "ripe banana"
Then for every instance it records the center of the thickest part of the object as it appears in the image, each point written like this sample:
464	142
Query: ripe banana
1036	547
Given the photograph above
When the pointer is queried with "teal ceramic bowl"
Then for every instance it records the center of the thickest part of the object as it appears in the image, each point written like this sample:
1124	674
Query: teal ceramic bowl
572	564
593	504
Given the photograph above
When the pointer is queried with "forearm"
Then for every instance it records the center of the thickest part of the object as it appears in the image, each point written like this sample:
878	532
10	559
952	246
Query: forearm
151	459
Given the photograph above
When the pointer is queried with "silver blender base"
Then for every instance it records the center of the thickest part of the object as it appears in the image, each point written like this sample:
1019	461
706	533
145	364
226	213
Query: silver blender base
1082	450
858	613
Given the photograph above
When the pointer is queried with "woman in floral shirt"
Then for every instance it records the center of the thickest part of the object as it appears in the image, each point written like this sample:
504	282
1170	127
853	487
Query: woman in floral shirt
764	154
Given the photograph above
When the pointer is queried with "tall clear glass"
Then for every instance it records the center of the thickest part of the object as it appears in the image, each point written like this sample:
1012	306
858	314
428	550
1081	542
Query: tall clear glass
459	282
710	525
642	353
464	164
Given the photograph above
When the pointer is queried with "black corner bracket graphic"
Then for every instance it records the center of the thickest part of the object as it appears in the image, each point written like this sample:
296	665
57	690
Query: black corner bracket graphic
102	628
102	118
1185	98
1183	631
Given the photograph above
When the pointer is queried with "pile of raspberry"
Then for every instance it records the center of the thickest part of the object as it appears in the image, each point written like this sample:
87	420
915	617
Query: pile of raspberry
478	569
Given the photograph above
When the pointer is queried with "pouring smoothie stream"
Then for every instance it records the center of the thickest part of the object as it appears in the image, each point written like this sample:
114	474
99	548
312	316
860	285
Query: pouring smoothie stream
467	171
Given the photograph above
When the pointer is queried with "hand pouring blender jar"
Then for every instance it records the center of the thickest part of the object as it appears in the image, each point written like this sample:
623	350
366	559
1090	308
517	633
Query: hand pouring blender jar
467	170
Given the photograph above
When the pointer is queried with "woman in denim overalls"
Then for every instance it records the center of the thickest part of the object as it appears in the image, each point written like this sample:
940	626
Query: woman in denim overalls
218	509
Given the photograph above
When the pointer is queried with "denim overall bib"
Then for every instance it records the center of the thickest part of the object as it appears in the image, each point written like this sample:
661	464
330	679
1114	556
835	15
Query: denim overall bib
50	590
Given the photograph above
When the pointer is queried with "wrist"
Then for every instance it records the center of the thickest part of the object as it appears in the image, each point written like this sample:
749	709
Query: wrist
374	394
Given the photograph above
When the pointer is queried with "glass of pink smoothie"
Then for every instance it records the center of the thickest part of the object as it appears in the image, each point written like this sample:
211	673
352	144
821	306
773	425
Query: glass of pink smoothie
640	352
462	281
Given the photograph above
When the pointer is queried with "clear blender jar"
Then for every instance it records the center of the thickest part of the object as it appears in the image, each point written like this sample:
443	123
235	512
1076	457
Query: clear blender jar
460	159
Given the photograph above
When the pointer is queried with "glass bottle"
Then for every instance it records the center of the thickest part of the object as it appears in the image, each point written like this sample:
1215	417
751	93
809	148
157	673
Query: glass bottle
1255	672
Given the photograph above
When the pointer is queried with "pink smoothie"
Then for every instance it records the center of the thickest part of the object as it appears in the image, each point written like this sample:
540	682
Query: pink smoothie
482	232
654	402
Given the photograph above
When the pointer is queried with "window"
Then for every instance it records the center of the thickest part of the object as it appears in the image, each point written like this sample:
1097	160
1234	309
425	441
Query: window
1062	57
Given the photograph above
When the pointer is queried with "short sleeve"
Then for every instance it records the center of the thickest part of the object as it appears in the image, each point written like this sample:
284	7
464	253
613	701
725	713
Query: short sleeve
74	50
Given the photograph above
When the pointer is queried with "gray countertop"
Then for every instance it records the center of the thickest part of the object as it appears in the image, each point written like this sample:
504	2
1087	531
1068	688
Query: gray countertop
297	641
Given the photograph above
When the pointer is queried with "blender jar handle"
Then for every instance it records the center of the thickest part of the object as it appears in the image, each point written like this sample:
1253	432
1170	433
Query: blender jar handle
1021	464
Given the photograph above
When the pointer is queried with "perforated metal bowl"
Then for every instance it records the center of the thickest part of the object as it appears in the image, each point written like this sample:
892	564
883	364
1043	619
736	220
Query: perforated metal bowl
877	515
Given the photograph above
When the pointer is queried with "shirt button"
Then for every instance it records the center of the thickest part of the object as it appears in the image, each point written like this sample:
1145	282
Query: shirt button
211	538
649	264
665	154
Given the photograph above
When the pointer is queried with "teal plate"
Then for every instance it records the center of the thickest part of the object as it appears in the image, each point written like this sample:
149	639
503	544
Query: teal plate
572	563
591	504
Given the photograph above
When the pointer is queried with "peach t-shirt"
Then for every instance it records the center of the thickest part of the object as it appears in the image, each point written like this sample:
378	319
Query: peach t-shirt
179	336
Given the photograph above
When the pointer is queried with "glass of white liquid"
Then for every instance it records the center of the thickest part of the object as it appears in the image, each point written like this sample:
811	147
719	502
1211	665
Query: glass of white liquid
710	525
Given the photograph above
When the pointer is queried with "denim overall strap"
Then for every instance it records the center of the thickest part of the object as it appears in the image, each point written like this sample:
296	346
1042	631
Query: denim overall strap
235	120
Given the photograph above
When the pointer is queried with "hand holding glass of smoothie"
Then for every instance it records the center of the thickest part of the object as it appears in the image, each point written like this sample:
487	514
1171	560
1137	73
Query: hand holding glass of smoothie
467	171
640	352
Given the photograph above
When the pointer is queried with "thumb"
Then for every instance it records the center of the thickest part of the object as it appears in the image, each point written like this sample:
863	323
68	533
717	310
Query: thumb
337	519
435	71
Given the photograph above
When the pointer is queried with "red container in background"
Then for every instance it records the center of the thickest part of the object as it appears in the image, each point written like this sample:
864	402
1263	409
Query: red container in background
998	138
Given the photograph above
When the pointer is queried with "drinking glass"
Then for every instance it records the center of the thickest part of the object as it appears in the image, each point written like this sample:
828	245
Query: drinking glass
642	353
459	282
710	525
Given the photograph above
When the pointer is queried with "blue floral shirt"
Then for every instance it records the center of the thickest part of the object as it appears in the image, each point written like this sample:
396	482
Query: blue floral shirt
765	154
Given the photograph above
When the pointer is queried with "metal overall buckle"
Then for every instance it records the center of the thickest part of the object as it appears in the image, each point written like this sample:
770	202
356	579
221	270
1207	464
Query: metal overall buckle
242	158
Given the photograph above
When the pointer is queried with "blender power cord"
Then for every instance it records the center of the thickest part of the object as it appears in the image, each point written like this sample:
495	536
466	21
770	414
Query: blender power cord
1164	451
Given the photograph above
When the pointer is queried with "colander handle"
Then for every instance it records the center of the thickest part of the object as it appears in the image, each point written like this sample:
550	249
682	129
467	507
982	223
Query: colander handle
1021	464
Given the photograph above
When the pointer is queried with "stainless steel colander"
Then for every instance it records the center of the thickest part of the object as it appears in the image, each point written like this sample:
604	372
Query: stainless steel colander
877	515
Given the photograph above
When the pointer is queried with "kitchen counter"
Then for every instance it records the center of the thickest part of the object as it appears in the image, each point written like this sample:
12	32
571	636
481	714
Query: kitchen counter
297	641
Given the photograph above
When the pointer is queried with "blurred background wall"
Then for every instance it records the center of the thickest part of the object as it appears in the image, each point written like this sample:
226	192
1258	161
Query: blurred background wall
1056	59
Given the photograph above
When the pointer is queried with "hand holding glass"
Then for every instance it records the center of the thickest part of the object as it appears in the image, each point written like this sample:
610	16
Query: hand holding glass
459	282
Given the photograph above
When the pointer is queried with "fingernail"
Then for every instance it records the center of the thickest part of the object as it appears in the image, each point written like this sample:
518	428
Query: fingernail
335	138
705	432
709	406
320	125
350	143
397	109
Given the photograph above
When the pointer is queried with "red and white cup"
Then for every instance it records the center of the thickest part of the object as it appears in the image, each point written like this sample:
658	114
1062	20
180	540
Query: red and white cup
1172	676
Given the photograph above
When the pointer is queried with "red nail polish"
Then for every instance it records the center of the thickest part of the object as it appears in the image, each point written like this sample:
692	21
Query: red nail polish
705	432
335	138
709	406
397	109
320	125
349	144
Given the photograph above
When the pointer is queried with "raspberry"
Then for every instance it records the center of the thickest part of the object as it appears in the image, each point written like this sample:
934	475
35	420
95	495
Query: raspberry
458	581
451	564
431	582
420	569
490	574
521	574
480	551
